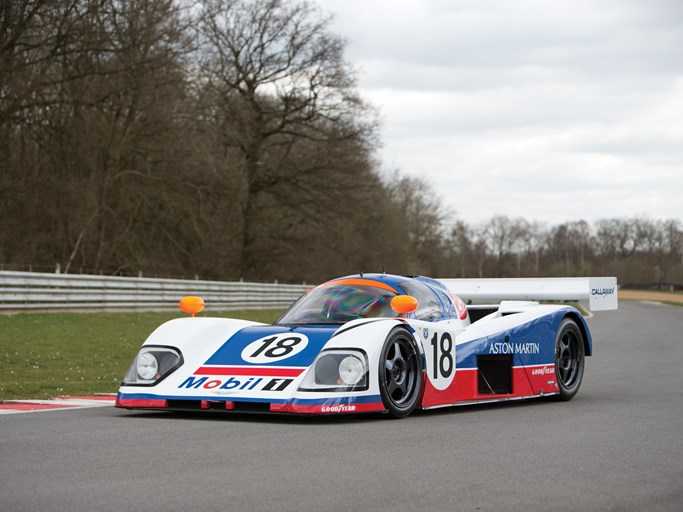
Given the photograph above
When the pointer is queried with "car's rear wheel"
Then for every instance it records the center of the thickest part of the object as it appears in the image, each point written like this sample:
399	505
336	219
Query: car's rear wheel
400	373
569	359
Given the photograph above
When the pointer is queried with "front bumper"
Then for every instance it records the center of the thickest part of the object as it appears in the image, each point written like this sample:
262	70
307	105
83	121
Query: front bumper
327	405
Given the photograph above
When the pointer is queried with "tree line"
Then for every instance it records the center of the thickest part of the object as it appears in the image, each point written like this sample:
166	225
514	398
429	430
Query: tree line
227	139
639	251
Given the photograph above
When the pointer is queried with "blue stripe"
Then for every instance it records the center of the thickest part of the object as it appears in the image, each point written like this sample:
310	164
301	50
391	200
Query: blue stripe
541	331
231	352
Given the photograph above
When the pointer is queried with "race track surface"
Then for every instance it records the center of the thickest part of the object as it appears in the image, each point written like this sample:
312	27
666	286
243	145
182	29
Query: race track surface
617	446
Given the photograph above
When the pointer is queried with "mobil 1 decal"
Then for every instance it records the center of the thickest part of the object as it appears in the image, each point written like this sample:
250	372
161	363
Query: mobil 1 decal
274	347
439	347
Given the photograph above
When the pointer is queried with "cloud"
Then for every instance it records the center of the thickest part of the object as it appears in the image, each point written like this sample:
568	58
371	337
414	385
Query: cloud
548	110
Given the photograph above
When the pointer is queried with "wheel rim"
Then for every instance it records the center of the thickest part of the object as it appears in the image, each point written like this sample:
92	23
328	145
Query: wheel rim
400	371
568	358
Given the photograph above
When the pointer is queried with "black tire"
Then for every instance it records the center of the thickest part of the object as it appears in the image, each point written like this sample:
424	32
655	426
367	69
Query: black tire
569	359
400	373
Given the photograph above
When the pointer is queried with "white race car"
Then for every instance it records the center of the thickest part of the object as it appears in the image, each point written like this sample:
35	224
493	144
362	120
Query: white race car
375	342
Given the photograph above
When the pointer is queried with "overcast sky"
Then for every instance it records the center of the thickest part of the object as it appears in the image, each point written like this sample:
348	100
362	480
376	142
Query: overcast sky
552	110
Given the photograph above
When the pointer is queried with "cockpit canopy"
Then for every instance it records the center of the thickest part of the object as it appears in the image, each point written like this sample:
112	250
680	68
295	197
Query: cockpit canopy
340	303
353	297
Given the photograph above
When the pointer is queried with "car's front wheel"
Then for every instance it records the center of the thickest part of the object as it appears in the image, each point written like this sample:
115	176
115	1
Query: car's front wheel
569	359
400	373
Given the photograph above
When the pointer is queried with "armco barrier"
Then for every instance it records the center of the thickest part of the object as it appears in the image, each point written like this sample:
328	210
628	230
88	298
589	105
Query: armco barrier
31	291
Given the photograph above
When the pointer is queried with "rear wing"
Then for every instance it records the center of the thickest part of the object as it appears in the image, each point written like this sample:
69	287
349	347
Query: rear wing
599	292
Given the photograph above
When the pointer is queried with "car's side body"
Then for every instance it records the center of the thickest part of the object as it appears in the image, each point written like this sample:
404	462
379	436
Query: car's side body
433	357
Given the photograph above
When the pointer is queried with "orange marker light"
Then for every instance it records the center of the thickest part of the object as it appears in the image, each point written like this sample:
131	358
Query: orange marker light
191	304
404	304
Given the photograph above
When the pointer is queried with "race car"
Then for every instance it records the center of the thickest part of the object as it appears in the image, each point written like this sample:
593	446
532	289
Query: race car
375	343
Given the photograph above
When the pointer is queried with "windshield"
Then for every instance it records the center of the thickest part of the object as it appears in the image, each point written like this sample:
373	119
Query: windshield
341	303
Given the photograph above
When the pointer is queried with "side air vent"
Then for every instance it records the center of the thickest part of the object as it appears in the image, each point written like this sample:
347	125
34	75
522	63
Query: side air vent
495	374
478	312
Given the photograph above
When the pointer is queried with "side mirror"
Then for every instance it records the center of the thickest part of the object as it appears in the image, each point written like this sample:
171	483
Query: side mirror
191	305
404	304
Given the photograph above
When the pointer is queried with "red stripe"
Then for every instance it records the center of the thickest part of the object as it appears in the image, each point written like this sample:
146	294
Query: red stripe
433	396
529	381
257	371
526	382
152	403
26	406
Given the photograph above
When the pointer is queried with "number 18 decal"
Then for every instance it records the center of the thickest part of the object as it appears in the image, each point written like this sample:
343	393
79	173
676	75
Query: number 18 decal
275	347
440	354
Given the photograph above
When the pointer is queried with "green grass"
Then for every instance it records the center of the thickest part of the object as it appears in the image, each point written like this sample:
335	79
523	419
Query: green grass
50	354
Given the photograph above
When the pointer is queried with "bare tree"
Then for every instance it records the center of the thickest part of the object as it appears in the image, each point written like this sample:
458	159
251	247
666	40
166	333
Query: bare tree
460	247
100	80
282	88
503	236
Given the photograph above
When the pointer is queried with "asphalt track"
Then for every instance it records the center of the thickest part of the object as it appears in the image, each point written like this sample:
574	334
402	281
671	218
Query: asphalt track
617	446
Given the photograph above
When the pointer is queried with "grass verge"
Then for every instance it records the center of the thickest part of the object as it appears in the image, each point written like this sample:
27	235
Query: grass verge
670	298
47	354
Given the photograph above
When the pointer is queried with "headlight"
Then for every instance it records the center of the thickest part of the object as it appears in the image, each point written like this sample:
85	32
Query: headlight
147	366
337	370
152	365
351	370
